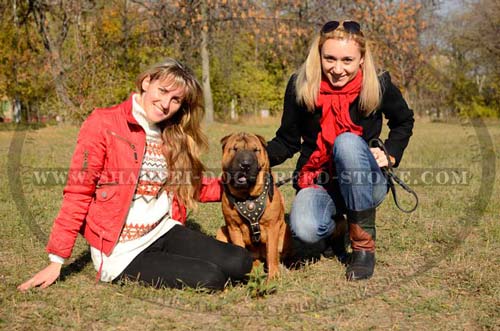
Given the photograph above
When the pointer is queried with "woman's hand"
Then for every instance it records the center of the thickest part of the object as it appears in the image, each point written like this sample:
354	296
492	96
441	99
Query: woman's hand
381	158
44	278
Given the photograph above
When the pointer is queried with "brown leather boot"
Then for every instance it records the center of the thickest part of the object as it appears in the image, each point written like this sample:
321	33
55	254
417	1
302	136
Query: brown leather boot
362	235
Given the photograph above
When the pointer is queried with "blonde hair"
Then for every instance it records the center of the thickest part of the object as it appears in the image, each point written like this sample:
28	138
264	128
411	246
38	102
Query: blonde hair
309	74
181	134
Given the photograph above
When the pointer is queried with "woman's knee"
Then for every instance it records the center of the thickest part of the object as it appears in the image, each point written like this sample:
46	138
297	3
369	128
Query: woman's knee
310	217
305	232
213	278
348	140
348	146
238	263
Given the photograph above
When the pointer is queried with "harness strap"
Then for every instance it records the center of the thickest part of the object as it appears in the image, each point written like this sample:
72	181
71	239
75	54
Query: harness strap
391	177
252	209
283	181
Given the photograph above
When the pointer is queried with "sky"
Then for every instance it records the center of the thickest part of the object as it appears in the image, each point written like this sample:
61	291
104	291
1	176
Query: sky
448	6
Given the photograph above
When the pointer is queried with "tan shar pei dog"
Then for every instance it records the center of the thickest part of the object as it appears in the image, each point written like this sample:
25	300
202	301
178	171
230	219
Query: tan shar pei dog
253	207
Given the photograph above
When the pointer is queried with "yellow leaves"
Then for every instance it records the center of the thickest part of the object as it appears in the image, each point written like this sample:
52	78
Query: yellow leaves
393	27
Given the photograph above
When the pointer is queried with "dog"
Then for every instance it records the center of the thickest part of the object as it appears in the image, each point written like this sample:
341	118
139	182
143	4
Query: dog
253	207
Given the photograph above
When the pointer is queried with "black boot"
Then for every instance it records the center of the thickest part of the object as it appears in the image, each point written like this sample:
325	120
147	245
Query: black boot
362	235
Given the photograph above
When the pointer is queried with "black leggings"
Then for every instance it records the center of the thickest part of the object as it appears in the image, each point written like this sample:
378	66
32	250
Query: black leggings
183	257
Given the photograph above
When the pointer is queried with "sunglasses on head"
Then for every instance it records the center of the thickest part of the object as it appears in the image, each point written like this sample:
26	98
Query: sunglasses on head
349	26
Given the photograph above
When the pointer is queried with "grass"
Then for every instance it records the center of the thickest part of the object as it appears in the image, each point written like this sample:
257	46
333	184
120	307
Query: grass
436	268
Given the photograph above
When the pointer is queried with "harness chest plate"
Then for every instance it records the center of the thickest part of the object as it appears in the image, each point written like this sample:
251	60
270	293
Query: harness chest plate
252	209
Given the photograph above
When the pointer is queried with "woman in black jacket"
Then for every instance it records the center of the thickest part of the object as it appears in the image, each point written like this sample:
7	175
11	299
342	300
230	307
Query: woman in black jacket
333	107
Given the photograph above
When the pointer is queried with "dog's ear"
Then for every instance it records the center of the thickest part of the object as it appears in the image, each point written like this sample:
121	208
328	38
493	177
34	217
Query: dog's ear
224	140
262	140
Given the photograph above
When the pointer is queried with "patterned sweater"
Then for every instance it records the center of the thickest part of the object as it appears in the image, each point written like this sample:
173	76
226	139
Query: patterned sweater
149	215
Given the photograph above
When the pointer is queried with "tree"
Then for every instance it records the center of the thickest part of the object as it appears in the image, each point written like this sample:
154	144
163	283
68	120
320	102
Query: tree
467	78
70	56
21	57
60	14
395	29
201	26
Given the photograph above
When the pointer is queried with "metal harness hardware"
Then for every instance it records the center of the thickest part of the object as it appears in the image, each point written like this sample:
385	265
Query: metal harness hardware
252	209
391	177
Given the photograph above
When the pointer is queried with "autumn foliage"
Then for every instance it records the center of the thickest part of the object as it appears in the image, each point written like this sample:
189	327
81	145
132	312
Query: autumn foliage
67	57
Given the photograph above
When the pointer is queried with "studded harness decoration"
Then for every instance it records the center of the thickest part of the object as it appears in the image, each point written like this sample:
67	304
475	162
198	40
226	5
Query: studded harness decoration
252	209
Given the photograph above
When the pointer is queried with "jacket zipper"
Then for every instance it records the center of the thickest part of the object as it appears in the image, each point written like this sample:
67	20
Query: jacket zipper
128	142
171	201
85	159
133	192
106	184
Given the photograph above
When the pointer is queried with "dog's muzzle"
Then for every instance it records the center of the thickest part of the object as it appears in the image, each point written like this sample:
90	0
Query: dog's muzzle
244	169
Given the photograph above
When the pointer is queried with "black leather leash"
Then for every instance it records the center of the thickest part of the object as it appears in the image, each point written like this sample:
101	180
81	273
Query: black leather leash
391	177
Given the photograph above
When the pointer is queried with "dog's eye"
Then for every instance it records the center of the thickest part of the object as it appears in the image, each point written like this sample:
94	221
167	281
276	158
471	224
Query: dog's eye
256	150
234	148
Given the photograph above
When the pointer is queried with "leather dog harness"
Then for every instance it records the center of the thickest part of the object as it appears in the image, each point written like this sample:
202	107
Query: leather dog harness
252	209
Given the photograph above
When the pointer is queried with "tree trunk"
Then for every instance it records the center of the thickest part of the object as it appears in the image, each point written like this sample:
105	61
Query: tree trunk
53	50
205	61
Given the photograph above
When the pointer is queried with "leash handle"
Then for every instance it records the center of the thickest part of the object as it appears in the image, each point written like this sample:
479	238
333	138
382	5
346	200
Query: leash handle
391	178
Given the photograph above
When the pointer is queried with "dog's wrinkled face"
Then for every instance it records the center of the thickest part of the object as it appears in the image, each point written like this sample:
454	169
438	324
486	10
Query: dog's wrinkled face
244	157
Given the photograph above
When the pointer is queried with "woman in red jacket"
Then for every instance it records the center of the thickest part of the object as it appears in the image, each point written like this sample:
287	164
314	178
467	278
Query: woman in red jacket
135	169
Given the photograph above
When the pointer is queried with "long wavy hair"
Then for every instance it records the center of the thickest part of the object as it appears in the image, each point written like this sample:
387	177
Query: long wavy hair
182	137
309	74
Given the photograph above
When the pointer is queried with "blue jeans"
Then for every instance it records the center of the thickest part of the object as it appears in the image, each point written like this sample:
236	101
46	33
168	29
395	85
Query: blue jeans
360	185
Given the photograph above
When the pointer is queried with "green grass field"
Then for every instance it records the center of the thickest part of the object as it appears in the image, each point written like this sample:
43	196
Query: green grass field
437	268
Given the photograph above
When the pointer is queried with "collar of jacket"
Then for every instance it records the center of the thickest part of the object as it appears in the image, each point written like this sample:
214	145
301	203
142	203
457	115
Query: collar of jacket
126	108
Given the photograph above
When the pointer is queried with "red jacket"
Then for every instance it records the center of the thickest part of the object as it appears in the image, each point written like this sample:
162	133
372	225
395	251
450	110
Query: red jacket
102	181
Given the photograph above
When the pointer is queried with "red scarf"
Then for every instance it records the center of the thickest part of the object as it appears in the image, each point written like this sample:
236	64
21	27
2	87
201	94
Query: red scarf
335	120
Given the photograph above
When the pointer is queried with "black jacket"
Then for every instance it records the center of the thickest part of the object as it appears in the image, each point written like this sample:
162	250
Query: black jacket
299	127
